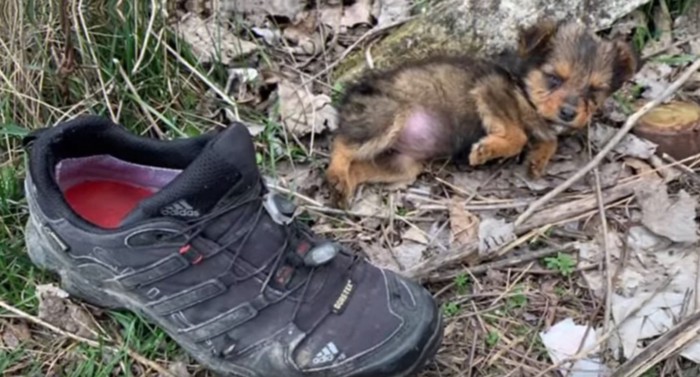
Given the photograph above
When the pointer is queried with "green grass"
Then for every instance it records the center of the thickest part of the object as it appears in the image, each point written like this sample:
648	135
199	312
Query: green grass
122	71
564	264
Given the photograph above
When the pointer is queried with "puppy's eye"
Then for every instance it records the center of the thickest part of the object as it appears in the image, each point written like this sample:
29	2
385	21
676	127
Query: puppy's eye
553	81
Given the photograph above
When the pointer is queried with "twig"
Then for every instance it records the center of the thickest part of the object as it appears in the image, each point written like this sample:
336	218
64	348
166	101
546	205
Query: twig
631	121
607	319
604	337
688	172
675	339
503	263
666	48
346	53
606	252
92	343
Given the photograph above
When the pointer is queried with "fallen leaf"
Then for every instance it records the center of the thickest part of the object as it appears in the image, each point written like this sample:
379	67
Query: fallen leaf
494	233
409	254
16	334
304	113
179	369
285	8
359	12
674	219
209	41
628	24
609	175
630	145
416	235
653	77
389	11
464	224
270	36
564	340
381	257
650	292
303	35
56	309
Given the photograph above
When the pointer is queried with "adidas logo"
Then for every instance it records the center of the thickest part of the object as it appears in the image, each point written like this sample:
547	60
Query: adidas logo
326	355
180	208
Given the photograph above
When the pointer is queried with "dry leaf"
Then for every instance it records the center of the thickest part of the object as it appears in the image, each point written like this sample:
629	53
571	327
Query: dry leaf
381	257
285	8
409	254
674	219
56	309
416	235
16	334
304	113
303	36
464	224
653	77
494	233
643	286
270	36
179	369
337	17
210	41
630	146
389	11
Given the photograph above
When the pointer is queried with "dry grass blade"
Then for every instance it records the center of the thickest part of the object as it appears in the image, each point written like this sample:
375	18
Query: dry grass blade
503	263
629	124
114	348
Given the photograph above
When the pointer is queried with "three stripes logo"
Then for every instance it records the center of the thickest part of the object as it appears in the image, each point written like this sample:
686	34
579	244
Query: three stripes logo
180	208
326	355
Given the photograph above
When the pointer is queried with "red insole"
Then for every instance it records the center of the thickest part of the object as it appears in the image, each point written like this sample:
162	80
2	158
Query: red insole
105	203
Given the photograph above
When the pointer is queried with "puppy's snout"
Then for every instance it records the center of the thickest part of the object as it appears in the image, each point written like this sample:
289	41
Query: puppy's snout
567	113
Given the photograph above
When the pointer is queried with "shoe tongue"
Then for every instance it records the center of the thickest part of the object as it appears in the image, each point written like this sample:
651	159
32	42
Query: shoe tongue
225	168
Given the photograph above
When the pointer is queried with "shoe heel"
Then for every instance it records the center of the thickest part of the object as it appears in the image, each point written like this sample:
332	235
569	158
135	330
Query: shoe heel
43	257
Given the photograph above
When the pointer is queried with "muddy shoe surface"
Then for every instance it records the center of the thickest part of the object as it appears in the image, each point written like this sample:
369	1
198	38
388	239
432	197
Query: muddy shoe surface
185	233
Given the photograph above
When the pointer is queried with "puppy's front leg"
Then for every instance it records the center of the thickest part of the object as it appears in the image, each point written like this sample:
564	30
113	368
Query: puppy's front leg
539	156
502	141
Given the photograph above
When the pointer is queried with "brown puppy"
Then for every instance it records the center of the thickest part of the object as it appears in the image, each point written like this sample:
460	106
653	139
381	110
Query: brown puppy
391	122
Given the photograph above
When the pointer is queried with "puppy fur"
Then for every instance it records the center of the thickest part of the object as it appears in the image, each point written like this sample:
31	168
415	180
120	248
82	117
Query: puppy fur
392	122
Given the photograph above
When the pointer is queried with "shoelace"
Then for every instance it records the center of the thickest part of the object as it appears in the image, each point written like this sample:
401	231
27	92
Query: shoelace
296	232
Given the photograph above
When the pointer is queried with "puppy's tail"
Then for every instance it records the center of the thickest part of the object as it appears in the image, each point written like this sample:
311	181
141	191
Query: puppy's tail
369	117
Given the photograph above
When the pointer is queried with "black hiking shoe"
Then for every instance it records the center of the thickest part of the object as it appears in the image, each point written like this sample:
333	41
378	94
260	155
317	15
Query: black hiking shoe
185	233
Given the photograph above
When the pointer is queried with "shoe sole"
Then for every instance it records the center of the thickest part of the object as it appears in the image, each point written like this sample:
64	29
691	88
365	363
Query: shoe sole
43	255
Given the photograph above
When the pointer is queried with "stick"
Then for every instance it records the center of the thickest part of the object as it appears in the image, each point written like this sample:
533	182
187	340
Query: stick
631	121
675	339
504	263
92	343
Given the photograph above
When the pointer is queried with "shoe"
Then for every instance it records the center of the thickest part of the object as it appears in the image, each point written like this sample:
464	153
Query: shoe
186	234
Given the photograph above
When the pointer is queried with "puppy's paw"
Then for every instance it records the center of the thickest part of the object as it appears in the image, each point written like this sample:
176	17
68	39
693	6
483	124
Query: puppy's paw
341	188
537	168
479	155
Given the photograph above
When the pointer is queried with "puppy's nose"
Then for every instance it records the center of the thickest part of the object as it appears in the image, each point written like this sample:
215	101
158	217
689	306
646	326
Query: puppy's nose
567	113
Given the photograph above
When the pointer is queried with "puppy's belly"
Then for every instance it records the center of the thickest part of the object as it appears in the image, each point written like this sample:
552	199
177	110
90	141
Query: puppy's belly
424	136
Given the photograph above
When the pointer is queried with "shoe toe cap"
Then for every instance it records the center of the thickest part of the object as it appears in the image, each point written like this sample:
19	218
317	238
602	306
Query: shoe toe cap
420	334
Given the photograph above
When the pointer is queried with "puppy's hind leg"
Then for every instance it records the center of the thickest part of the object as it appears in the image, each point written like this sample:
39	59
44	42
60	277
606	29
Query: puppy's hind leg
338	173
343	176
395	169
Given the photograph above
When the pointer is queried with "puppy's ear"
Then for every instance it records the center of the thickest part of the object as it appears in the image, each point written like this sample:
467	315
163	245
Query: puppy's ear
536	39
626	64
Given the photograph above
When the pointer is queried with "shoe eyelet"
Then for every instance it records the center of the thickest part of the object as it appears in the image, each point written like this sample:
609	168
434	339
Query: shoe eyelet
191	255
